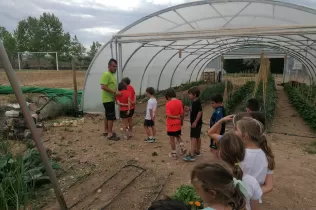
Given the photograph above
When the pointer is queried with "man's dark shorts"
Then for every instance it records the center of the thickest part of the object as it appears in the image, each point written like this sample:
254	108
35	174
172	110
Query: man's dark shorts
109	110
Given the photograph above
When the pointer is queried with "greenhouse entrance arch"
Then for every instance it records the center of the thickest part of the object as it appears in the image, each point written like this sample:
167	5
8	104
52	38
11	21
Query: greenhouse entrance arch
174	45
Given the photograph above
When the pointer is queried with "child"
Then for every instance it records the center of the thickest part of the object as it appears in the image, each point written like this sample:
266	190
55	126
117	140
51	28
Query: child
174	115
259	119
131	89
150	115
212	132
232	151
218	113
259	160
252	105
124	101
168	204
196	123
217	187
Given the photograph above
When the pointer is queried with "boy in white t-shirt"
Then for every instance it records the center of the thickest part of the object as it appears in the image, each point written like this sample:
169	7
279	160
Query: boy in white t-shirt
149	123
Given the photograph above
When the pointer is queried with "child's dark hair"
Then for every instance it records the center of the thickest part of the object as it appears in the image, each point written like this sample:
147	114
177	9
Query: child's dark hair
217	177
253	104
170	93
168	204
255	132
150	91
217	98
194	91
232	151
126	80
255	115
121	86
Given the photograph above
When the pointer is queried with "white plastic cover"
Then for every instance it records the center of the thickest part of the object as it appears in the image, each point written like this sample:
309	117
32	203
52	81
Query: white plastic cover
159	65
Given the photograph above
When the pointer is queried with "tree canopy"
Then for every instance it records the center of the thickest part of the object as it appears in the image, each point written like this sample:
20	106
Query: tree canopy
44	34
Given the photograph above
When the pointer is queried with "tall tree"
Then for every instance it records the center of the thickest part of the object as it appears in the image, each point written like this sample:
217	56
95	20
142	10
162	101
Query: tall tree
251	64
77	50
94	48
8	41
41	35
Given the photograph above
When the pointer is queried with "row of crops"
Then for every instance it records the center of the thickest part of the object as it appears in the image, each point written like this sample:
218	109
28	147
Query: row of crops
303	98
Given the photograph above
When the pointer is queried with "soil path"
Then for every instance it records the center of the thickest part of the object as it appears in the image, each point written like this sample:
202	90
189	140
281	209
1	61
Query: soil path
295	169
81	146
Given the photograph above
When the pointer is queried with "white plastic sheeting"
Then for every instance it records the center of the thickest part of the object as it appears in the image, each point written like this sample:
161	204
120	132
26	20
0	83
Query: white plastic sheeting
158	64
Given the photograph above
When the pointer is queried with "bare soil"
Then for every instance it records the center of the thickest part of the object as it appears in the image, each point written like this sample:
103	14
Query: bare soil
89	160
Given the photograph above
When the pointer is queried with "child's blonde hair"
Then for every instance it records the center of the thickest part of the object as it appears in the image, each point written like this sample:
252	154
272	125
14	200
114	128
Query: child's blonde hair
232	151
255	132
217	177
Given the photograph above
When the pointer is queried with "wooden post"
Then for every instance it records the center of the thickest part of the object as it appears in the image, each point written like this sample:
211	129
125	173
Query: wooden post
74	76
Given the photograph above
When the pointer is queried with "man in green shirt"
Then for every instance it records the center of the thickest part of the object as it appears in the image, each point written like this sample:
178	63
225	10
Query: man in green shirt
109	92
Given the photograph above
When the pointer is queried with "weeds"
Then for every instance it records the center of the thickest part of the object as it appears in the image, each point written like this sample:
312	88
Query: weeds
311	148
18	178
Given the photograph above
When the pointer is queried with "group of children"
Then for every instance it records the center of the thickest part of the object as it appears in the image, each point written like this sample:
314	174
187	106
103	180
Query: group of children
244	162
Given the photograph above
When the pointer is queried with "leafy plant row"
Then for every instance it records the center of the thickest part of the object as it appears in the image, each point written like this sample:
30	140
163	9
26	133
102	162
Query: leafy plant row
207	93
19	176
181	87
238	96
304	108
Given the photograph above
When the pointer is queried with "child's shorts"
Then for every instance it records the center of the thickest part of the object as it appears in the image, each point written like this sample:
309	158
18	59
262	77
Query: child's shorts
196	132
174	133
213	144
131	112
124	115
149	123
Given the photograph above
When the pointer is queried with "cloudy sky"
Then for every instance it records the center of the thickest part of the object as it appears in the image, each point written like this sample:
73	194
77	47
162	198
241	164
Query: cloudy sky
91	20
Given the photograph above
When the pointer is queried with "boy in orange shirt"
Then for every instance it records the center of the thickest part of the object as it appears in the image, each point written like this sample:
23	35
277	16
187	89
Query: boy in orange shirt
174	121
124	101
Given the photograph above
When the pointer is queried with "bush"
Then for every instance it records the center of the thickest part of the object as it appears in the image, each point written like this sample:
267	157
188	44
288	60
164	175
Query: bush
187	194
306	110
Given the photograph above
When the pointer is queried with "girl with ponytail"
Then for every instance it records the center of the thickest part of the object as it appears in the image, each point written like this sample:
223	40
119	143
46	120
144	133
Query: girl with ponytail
232	151
259	159
218	188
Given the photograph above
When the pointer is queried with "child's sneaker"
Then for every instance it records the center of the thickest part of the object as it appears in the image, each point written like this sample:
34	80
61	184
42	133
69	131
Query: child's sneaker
151	140
198	154
189	158
147	139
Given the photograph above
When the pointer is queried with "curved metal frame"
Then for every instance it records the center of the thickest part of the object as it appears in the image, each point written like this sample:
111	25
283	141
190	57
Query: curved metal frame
270	2
293	54
247	41
141	81
265	45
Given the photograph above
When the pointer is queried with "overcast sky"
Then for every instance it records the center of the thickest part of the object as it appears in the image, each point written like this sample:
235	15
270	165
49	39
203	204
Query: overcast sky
91	20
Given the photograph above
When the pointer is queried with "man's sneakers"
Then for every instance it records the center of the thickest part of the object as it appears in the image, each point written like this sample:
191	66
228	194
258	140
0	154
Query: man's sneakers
189	158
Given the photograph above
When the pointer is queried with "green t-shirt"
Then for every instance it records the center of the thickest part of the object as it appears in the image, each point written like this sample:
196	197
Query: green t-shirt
108	79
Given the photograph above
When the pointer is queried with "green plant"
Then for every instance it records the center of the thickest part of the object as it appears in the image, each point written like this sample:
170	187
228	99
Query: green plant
306	110
18	178
238	96
187	194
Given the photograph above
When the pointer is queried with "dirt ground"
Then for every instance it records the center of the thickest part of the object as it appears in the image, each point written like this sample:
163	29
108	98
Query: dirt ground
93	166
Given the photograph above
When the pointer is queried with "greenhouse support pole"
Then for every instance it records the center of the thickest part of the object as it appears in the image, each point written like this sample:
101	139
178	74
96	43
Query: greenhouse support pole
30	122
74	78
19	61
57	61
285	67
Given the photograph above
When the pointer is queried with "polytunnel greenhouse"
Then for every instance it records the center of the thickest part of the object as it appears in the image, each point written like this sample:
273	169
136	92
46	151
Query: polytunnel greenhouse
174	45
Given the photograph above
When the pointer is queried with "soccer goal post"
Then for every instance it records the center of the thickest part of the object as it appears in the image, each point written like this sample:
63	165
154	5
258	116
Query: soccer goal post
27	57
